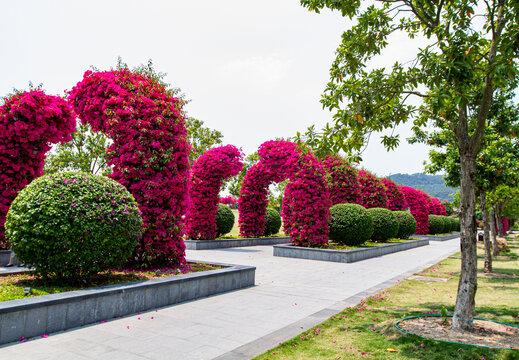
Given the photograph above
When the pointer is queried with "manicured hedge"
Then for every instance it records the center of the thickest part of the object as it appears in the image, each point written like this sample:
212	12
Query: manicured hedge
437	224
406	224
224	220
350	224
385	224
272	222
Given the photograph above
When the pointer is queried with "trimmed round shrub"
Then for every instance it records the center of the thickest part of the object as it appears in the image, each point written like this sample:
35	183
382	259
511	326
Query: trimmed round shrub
73	225
457	225
406	224
273	222
224	220
449	224
436	224
350	224
385	224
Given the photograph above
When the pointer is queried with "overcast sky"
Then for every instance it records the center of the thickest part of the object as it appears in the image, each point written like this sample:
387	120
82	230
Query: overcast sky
255	70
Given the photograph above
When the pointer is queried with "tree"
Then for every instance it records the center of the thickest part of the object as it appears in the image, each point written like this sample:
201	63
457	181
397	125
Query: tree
86	152
234	184
463	58
201	138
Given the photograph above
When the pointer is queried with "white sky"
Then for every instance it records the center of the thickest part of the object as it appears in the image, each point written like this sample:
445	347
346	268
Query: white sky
255	70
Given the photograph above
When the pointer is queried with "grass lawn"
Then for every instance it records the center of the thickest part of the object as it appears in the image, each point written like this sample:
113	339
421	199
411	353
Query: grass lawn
367	330
11	286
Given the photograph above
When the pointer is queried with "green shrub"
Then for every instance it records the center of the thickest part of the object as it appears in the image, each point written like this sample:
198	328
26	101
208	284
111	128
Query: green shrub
385	224
451	224
224	220
273	222
436	224
457	225
350	224
72	225
406	224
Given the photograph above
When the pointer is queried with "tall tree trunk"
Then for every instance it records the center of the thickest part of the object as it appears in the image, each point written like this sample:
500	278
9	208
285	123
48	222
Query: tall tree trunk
493	231
467	286
486	232
499	220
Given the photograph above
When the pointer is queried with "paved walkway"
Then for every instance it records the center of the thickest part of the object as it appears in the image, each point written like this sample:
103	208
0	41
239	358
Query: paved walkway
290	295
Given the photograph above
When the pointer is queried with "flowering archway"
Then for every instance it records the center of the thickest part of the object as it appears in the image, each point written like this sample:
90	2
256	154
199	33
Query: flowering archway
30	122
207	175
306	203
149	153
341	179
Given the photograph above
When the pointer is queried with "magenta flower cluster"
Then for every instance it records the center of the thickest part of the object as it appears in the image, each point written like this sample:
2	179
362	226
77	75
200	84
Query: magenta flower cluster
231	201
207	175
372	190
341	180
30	122
437	207
306	202
418	202
395	198
149	153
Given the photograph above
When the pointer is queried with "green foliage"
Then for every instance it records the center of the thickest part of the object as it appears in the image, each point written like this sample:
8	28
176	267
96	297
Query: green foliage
448	207
406	224
457	224
437	224
234	185
201	138
224	220
86	153
385	224
434	185
71	225
273	222
350	224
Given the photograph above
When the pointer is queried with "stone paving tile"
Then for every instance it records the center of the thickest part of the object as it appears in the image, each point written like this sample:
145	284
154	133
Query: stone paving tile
239	324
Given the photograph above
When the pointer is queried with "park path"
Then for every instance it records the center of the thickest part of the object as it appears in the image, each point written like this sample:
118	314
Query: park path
291	295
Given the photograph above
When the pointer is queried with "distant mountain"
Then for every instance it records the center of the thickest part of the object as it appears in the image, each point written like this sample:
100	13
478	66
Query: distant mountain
431	184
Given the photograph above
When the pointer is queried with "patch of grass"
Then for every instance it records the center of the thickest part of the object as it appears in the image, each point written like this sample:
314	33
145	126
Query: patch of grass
367	330
369	243
11	286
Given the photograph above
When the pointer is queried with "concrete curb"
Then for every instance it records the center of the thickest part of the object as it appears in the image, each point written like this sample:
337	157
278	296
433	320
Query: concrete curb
346	256
440	238
231	243
50	313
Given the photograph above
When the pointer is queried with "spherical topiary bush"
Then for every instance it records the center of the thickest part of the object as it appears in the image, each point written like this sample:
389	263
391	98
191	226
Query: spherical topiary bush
385	224
224	220
73	225
452	224
436	224
406	224
350	224
273	222
446	224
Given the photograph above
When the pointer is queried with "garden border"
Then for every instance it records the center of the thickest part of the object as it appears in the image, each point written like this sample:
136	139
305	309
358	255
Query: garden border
55	312
231	243
451	236
346	256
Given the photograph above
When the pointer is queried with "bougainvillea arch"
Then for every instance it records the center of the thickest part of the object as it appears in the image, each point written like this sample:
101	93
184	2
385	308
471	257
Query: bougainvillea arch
149	153
306	203
207	174
341	180
30	122
419	206
437	207
395	198
372	190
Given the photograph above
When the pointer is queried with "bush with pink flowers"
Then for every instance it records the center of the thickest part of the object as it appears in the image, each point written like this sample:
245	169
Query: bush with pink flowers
207	175
306	203
372	190
230	201
149	153
341	180
395	197
437	207
419	206
30	122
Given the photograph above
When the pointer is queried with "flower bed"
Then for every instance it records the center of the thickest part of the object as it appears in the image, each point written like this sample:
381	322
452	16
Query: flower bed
346	256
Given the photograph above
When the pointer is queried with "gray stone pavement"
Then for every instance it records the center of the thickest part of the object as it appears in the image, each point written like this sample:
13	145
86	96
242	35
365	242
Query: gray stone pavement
290	295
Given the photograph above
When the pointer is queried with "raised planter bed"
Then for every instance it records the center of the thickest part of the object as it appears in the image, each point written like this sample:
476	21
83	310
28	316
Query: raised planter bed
50	313
231	243
445	237
346	256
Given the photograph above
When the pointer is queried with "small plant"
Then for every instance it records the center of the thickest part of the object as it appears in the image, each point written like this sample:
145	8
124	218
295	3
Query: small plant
385	224
406	224
444	315
272	222
224	220
436	224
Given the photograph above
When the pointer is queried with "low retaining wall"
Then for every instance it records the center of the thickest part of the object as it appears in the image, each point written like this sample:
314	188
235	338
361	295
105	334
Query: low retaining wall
230	243
50	313
346	256
440	237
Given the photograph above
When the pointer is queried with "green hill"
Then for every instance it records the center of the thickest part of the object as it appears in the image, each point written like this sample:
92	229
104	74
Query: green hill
431	184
